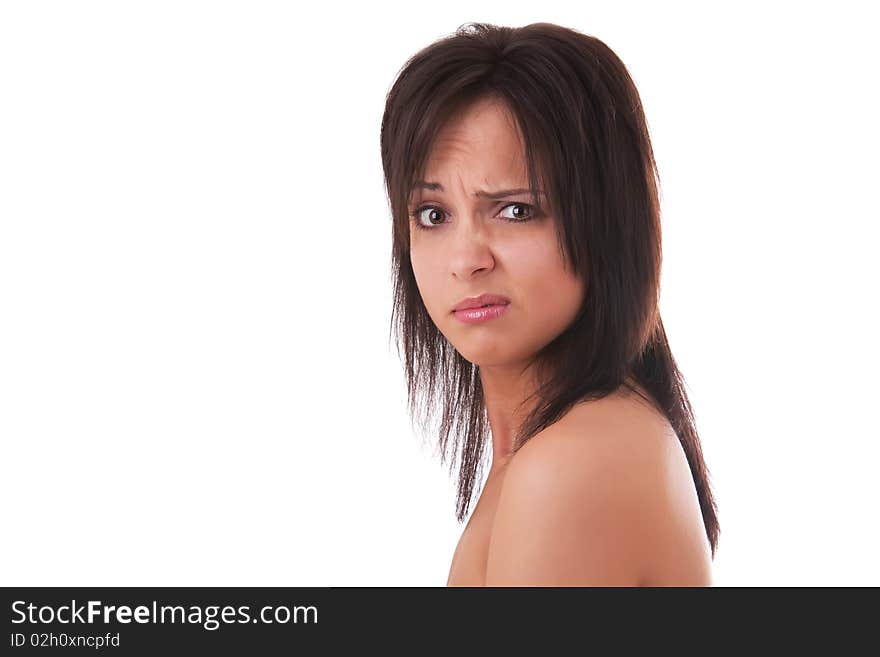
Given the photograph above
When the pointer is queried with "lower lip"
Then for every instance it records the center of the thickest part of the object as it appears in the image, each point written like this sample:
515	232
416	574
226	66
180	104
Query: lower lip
474	315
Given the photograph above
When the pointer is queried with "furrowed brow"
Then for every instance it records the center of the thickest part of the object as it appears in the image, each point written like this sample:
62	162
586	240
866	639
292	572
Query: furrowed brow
480	193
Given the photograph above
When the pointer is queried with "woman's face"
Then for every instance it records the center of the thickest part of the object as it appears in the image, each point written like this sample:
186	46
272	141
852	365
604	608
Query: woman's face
470	244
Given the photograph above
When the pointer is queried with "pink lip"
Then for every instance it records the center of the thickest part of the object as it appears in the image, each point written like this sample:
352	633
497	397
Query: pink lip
475	315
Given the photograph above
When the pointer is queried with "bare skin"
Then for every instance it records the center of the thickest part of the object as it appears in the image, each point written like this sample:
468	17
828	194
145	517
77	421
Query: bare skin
678	553
468	566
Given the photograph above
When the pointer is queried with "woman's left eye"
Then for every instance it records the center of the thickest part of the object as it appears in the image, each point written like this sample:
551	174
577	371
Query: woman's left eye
519	216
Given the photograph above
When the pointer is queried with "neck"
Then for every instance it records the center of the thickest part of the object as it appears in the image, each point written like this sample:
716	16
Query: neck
505	389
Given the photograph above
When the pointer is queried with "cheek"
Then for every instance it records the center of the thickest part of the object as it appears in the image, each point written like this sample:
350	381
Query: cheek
427	279
556	290
554	295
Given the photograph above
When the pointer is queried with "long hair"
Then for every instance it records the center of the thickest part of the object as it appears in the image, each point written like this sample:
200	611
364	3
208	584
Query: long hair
587	146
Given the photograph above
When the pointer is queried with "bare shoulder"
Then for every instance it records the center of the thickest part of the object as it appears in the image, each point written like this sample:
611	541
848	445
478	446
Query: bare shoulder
604	497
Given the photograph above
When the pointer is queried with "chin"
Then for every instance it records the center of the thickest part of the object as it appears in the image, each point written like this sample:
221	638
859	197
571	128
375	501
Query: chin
489	356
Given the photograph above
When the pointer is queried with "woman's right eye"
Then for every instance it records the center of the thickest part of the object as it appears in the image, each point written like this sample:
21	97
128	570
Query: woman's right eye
429	212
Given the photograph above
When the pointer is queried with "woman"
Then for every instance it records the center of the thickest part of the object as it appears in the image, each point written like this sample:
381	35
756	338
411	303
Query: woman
526	255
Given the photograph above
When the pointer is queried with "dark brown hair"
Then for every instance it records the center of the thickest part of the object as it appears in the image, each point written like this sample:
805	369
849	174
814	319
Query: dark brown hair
587	146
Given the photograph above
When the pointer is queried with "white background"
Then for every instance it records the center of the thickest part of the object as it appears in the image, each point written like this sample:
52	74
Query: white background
197	385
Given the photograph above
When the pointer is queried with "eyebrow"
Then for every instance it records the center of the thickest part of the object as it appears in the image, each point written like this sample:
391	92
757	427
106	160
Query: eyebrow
481	193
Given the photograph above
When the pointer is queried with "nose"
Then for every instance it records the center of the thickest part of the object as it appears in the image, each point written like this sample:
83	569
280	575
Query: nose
471	250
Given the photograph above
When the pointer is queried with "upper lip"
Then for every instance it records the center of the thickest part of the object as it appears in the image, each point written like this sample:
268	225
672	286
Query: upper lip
482	300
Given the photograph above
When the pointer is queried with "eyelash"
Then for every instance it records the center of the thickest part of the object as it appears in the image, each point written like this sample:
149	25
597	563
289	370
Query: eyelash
418	211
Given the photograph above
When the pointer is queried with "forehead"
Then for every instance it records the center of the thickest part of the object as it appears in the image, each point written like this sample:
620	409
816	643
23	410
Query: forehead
480	146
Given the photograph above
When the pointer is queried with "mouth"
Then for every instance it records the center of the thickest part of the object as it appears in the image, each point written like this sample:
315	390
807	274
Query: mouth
486	300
